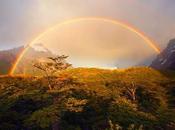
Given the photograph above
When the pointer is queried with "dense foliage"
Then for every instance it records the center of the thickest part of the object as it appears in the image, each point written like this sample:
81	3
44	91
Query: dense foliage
89	99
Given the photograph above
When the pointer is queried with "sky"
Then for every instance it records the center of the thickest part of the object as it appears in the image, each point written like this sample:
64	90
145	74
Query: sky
95	43
22	20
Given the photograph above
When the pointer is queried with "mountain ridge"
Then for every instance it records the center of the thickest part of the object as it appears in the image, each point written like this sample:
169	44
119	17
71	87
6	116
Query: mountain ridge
8	57
166	59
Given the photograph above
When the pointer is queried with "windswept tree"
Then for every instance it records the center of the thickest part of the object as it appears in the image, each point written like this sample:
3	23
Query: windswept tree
51	66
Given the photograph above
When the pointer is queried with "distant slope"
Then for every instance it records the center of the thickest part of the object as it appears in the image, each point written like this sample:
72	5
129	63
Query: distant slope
166	60
8	57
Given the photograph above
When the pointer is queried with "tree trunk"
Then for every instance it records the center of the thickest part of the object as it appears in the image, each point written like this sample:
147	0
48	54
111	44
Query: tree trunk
49	82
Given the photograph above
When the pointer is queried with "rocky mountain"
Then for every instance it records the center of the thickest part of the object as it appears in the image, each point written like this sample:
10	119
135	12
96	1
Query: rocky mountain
166	59
8	57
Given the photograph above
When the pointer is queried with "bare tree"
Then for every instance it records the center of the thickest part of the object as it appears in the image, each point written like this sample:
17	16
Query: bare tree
131	91
53	65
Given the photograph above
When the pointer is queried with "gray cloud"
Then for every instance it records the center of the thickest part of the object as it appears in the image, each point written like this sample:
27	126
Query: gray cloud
21	20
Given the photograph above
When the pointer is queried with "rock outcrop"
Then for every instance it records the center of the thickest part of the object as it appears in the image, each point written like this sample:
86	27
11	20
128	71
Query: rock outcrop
166	59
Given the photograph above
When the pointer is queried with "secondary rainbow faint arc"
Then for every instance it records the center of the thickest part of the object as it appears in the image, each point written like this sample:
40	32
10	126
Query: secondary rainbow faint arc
75	20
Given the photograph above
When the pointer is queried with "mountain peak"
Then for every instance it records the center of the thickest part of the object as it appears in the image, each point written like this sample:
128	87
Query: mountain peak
8	57
40	47
166	59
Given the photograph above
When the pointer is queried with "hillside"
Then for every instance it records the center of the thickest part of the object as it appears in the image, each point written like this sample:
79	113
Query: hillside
89	99
166	59
8	57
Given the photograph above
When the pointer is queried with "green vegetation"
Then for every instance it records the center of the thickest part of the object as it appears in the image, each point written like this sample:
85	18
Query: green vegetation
89	99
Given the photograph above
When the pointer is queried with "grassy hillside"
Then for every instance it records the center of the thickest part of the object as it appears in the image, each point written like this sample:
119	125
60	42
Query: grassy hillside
89	99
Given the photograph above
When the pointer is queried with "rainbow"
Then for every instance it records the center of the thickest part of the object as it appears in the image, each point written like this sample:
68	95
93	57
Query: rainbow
75	20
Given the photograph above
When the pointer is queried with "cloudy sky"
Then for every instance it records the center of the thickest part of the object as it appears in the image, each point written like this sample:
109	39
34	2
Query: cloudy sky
21	20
